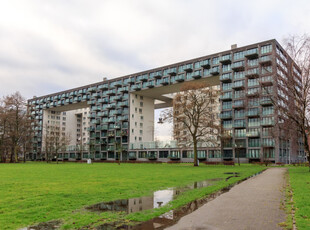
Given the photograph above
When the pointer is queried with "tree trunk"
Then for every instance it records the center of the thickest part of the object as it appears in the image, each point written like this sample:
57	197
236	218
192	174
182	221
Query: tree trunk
15	154
195	152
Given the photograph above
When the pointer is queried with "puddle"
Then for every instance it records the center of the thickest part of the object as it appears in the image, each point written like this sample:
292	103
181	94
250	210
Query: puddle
156	200
50	225
172	217
235	174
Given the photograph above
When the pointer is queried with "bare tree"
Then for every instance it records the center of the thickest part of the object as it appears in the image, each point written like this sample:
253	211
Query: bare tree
194	115
298	86
54	142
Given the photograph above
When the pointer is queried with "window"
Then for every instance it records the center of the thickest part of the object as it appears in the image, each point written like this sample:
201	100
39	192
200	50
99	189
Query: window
141	131
141	97
141	117
253	82
266	49
239	75
267	131
253	122
238	94
141	103
140	111
227	124
215	61
253	153
254	142
253	102
238	55
136	109
253	62
268	110
227	105
239	113
226	86
240	133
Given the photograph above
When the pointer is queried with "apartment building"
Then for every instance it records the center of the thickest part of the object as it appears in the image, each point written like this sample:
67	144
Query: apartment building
251	79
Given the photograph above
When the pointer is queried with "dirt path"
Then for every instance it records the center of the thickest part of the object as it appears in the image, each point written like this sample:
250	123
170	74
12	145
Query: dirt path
253	204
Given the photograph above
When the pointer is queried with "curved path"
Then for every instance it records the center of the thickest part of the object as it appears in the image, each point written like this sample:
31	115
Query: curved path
253	204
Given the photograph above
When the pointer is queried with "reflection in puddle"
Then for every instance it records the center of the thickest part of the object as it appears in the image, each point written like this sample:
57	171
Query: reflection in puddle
158	199
172	217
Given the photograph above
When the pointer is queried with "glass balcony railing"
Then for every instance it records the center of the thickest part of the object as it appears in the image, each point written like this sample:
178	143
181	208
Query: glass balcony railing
225	59
226	77
251	54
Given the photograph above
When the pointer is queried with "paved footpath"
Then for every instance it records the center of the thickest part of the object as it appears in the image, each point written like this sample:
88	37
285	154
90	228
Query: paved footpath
253	204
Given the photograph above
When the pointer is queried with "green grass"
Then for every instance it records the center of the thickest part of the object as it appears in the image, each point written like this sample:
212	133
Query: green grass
300	184
38	192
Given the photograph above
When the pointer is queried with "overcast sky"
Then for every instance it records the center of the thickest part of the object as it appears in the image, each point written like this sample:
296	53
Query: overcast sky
49	46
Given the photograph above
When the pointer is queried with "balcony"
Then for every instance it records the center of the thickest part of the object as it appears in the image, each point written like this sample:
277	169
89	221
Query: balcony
123	118
136	87
239	125
252	93
251	54
205	64
253	134
238	85
180	78
117	126
103	100
225	59
267	81
143	78
95	122
252	73
266	102
111	92
215	70
226	77
238	104
124	89
265	60
111	106
156	75
103	87
226	116
226	97
124	104
268	143
118	83
96	95
197	74
252	113
92	89
172	71
267	122
150	84
111	120
188	68
164	81
237	66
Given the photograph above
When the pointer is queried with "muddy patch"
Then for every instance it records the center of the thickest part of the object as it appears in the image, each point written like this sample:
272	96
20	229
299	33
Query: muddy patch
50	225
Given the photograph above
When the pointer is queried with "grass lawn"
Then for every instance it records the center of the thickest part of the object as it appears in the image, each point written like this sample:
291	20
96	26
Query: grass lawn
300	183
38	192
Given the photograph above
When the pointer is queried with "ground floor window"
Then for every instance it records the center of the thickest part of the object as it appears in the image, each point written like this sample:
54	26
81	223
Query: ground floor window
163	154
215	154
142	154
253	153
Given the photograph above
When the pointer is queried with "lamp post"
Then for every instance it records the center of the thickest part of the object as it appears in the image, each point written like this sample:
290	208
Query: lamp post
237	151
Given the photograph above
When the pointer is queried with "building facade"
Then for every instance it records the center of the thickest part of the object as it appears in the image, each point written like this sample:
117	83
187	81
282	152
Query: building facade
121	110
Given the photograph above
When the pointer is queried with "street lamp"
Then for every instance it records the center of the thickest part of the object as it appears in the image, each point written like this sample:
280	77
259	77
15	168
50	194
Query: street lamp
237	150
